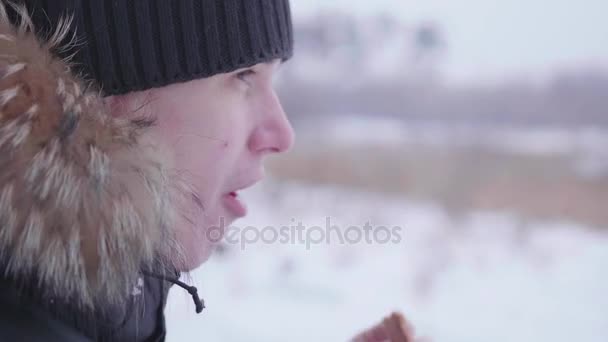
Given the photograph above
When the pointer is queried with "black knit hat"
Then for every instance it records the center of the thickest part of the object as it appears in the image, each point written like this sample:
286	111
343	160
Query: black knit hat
130	45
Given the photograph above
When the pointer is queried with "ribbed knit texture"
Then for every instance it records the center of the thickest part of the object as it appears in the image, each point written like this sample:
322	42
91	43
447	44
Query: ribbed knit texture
130	45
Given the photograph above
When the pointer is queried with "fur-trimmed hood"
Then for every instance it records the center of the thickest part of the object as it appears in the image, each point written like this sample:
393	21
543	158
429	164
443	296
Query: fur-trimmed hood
85	203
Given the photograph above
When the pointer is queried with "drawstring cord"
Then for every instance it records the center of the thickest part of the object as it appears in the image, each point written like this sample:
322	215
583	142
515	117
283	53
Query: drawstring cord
193	291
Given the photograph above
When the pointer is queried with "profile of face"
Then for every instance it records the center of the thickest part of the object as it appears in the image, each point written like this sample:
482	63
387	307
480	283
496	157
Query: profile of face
217	131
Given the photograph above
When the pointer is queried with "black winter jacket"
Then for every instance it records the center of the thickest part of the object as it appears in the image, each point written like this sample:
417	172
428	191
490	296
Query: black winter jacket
24	318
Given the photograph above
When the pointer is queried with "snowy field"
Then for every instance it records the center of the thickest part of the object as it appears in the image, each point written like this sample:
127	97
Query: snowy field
484	277
586	146
354	130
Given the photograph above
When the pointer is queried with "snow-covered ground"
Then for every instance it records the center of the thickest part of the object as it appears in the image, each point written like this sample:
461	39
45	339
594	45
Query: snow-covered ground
484	277
354	130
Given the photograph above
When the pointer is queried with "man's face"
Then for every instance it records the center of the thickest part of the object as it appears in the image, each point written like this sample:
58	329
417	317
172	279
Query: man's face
218	131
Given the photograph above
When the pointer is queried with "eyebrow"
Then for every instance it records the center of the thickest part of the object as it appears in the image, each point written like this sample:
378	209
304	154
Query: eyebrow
267	63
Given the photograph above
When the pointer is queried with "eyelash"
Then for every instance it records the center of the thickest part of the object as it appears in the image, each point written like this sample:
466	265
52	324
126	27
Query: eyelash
244	74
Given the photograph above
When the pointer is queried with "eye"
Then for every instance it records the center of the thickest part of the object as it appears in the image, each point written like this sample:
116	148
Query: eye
245	74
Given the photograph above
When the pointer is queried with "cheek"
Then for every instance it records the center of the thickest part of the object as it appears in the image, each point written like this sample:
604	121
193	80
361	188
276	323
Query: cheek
207	140
211	145
202	162
196	140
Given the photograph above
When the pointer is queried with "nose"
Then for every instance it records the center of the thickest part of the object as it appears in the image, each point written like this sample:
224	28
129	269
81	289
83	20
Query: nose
274	133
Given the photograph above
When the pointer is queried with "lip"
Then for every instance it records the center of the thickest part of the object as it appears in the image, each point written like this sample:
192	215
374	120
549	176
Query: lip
233	202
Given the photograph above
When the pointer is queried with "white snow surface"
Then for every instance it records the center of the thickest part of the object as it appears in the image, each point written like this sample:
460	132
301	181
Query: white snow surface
488	276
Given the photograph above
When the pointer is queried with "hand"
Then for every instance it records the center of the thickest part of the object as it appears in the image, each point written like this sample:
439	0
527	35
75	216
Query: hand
392	329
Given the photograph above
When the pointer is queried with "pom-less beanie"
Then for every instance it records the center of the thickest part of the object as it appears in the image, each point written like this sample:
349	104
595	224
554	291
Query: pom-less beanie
129	45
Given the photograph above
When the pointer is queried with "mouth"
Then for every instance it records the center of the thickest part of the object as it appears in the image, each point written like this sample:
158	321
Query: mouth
234	203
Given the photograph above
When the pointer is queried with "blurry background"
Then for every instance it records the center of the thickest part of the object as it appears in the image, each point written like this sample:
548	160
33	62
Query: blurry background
480	128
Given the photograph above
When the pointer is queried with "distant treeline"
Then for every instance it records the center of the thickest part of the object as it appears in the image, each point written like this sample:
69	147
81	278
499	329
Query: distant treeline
571	99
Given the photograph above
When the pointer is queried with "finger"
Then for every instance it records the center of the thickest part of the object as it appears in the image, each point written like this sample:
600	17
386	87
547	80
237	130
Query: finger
398	329
374	334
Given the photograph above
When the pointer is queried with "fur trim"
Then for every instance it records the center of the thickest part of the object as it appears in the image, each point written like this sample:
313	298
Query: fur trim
84	204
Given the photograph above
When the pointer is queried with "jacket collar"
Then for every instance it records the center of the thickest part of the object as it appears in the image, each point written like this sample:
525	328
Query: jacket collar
85	201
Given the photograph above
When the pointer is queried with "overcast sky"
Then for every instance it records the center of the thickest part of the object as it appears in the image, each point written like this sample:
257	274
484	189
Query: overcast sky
493	39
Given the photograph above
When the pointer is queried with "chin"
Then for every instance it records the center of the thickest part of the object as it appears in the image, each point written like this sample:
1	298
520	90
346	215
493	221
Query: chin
199	242
197	246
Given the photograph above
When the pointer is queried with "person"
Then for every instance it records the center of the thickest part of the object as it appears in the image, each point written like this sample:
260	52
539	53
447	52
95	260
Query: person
127	130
